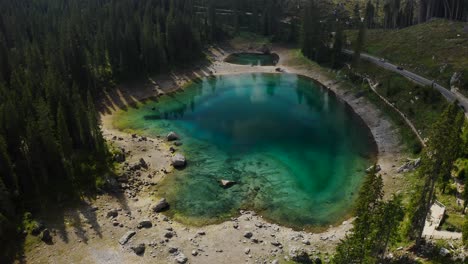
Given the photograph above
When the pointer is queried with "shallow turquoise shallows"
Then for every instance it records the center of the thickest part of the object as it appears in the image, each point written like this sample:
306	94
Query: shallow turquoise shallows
297	153
255	59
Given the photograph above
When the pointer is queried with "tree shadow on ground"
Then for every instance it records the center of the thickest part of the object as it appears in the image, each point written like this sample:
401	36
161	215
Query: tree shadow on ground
130	93
79	218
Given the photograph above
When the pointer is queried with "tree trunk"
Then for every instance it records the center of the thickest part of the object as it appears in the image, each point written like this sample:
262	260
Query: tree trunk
422	11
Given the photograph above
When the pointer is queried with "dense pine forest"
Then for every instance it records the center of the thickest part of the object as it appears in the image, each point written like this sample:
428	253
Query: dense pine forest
57	57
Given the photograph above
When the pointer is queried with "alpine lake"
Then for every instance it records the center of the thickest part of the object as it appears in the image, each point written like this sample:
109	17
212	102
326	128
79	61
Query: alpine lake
296	153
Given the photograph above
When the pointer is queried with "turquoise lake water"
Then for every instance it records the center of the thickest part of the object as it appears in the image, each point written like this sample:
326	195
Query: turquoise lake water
297	153
256	59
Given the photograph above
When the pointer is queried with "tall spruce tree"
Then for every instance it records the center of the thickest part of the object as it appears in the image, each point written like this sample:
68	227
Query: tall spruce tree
375	226
437	162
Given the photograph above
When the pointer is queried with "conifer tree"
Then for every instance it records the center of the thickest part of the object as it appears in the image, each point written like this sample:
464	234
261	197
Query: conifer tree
359	44
437	162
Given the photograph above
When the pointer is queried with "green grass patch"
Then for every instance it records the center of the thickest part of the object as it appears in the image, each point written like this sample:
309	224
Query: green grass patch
435	49
421	105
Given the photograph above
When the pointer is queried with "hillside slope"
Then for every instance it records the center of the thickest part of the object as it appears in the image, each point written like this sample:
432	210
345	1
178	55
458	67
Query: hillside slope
435	49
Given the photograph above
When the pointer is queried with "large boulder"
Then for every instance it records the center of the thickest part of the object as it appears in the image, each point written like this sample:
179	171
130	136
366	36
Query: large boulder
126	237
160	206
172	136
178	161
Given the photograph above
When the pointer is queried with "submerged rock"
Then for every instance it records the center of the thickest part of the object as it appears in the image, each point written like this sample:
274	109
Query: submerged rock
226	183
172	136
126	237
178	161
160	206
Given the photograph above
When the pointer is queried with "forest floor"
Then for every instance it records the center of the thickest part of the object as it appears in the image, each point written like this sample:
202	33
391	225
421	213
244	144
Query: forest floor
85	234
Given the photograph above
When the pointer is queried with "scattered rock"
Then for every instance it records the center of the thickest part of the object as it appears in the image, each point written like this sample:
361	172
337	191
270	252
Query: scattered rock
112	213
145	224
444	252
173	250
178	161
139	249
111	183
180	258
410	165
194	252
226	183
143	164
124	239
119	157
201	233
46	237
247	251
172	136
248	235
160	206
265	49
169	234
276	243
178	143
275	261
456	82
37	229
299	255
374	168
